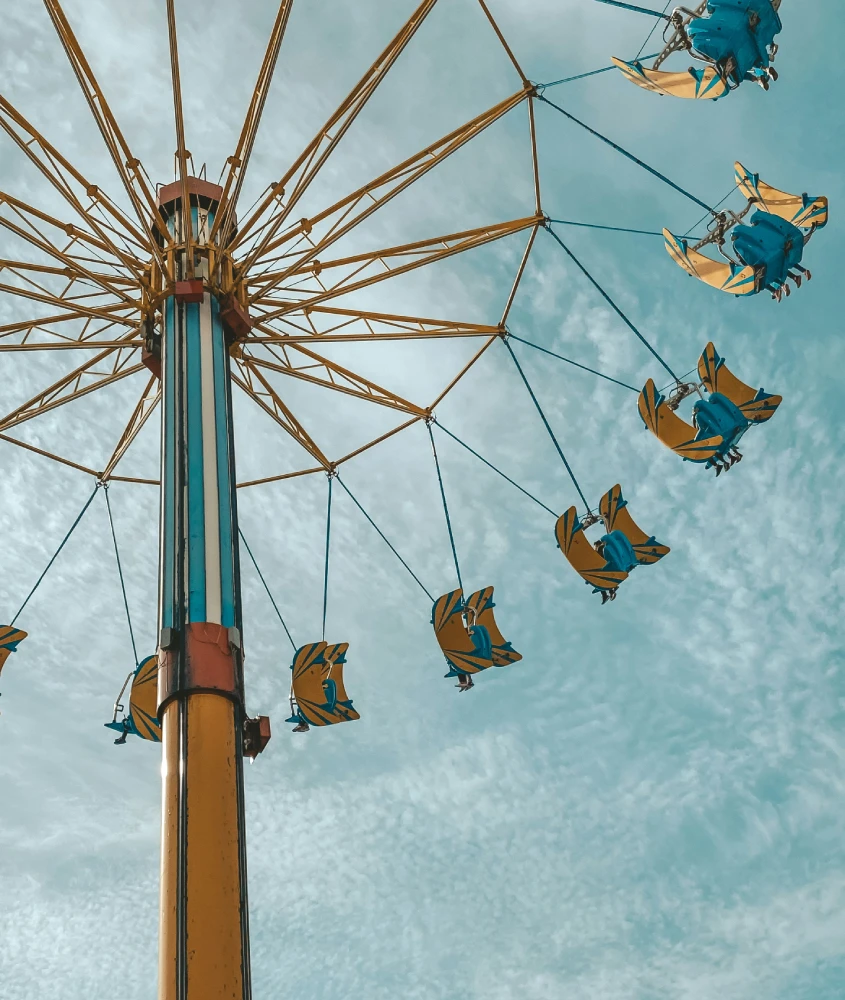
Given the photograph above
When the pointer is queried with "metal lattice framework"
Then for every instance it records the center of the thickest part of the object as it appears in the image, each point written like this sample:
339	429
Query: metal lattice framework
111	272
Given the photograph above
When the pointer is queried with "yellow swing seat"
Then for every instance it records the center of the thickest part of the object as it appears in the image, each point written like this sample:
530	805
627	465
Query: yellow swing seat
463	644
673	431
142	719
318	686
582	557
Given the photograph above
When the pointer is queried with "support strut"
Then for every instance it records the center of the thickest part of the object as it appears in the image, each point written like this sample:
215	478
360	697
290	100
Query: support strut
204	931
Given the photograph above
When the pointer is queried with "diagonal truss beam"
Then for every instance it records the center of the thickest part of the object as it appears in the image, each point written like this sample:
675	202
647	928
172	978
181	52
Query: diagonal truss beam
378	265
328	324
503	40
47	454
42	295
73	186
298	178
32	234
73	268
239	161
84	336
518	279
128	166
299	362
67	345
150	398
68	272
107	367
318	233
256	386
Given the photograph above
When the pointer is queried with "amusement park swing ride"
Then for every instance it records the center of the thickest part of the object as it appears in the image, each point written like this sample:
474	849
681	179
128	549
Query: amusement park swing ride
194	298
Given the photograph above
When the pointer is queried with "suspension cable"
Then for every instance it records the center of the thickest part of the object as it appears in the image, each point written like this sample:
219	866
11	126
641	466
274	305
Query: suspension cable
580	76
610	302
445	506
385	540
717	205
329	476
56	553
490	465
613	229
630	156
569	361
653	29
120	574
548	425
638	10
261	578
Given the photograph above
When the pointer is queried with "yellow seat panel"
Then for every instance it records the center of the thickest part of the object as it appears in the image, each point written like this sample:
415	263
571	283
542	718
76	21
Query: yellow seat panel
671	430
143	700
313	665
616	516
791	207
453	637
582	556
690	84
719	378
332	655
716	273
308	673
481	604
9	639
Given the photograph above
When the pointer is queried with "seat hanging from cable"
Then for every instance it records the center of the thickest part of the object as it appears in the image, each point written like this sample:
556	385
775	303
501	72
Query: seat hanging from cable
318	692
466	629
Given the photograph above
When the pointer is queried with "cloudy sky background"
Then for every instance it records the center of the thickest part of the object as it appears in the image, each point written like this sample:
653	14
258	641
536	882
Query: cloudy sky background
650	805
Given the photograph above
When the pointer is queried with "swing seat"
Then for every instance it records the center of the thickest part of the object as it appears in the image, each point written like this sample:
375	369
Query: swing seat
617	519
468	649
318	687
142	719
756	407
735	279
583	558
693	84
670	429
481	604
741	30
734	37
9	639
802	210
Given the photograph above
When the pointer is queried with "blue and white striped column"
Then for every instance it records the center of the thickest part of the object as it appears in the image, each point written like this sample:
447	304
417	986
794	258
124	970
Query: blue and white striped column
198	467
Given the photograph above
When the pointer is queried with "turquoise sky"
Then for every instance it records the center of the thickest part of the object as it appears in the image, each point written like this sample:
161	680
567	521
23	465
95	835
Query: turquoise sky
650	805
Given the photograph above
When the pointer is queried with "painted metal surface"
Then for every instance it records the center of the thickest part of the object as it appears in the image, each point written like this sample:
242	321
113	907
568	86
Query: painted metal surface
204	929
719	421
10	636
319	692
467	646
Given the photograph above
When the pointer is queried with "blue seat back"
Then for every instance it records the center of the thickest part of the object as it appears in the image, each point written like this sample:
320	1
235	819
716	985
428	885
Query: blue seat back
727	31
771	243
481	641
619	552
